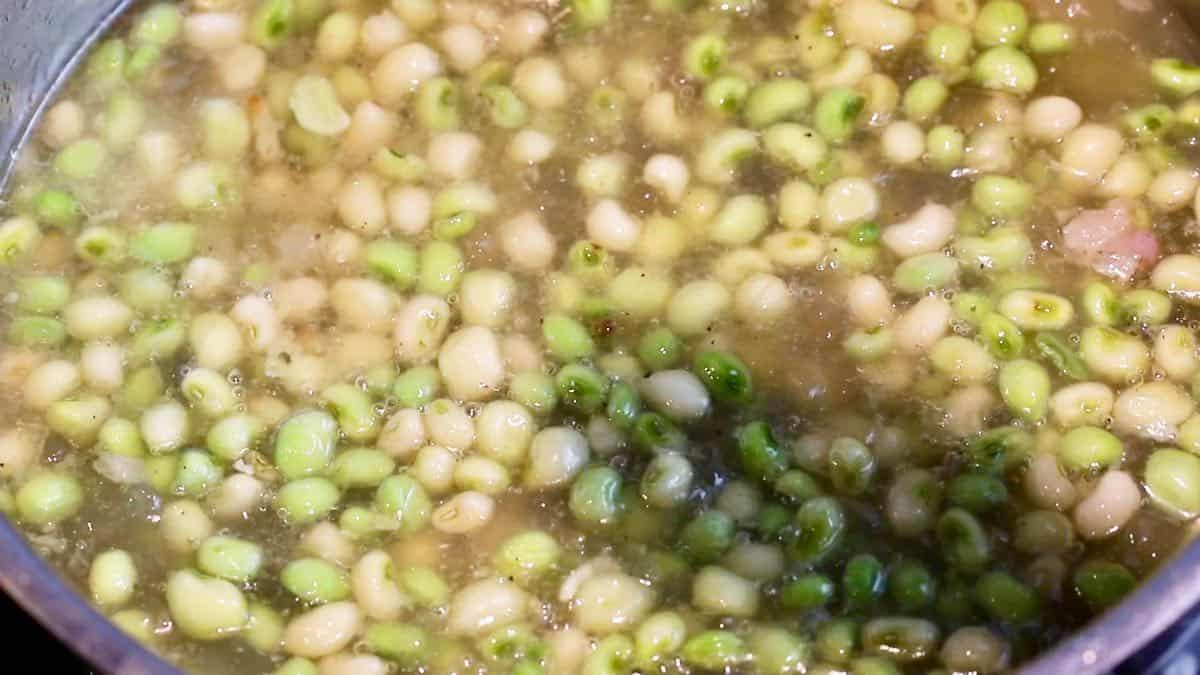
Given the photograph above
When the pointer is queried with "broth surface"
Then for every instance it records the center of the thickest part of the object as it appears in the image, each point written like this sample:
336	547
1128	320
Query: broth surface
608	336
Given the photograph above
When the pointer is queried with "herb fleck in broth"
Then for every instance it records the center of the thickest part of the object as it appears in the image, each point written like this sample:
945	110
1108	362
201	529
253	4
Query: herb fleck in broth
599	337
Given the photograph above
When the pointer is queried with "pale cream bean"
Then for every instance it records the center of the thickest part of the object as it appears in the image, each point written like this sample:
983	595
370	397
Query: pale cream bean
454	154
360	204
1178	275
530	146
403	434
241	68
471	364
328	542
504	431
237	498
668	174
215	341
184	525
903	142
1130	177
640	292
20	449
612	227
337	37
375	589
1152	410
102	365
1172	189
741	500
796	249
869	301
449	425
1086	403
927	230
50	382
975	649
556	455
610	603
463	513
158	155
486	297
965	410
678	394
257	317
381	33
761	300
719	592
401	71
409	209
540	82
204	608
755	561
421	326
521	354
64	122
1111	503
740	264
567	649
464	46
1175	352
991	149
874	24
660	120
362	304
696	306
300	300
165	427
798	204
323	631
371	127
213	31
1045	484
346	663
522	31
1087	153
848	201
923	324
97	316
434	467
204	278
1049	118
486	605
527	242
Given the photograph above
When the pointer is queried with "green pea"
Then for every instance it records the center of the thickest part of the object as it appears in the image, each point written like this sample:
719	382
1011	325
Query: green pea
229	558
406	644
442	267
726	94
923	273
808	592
208	392
306	500
772	520
795	146
100	246
1085	449
595	497
393	261
361	468
120	436
404	499
998	450
48	498
591	13
776	101
1001	22
704	56
158	25
581	387
165	244
1006	69
81	160
1175	76
820	526
924	98
948	46
42	294
272	23
606	109
534	390
314	581
1051	38
234	436
567	339
964	544
863	582
1006	599
141	61
1061	355
147	290
527	557
875	665
851	466
715	650
760	454
977	492
1100	304
397	166
417	386
654	433
142	388
725	376
505	108
304	444
707	536
425	586
624	406
355	411
197	473
1002	196
36	331
1172	480
1101	584
1003	338
106	66
660	349
56	208
157	340
836	640
836	114
1025	387
589	262
1145	307
911	586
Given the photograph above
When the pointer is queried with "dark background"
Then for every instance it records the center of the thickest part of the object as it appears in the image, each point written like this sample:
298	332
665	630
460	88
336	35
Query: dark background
25	637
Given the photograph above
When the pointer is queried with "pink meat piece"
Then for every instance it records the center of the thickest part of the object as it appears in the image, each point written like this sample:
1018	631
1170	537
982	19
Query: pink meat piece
1105	240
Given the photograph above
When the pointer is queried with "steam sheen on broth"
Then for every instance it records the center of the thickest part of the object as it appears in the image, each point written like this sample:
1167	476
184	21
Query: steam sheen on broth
608	336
